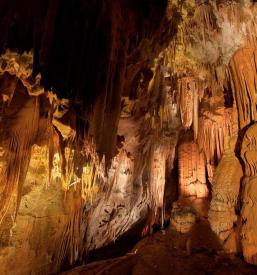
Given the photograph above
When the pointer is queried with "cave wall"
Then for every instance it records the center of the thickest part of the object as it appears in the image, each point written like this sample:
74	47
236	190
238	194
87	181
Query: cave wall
73	178
97	100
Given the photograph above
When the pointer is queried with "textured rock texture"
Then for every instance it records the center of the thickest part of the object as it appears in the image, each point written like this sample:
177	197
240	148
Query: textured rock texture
192	171
101	103
249	225
243	74
183	218
225	196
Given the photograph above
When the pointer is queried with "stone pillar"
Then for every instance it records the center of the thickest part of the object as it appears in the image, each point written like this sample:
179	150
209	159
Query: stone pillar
192	179
249	195
225	191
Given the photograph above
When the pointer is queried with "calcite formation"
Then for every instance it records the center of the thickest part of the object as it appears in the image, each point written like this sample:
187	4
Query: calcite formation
249	225
215	124
243	79
225	195
183	218
187	108
107	108
192	171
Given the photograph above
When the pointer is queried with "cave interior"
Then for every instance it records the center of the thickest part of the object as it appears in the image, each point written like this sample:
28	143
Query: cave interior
128	137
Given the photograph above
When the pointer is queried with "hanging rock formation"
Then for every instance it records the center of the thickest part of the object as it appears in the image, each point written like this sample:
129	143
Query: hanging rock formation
107	108
243	78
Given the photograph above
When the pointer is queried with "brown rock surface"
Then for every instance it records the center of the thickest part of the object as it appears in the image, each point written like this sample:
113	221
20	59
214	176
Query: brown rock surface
182	218
107	109
249	195
225	196
167	253
192	180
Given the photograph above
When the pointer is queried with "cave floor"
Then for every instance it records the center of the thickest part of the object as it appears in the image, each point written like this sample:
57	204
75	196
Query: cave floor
170	252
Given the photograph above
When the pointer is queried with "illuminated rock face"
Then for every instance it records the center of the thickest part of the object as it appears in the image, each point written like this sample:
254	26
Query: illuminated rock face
192	180
119	207
188	93
45	219
98	111
71	198
249	195
18	137
215	124
225	196
243	75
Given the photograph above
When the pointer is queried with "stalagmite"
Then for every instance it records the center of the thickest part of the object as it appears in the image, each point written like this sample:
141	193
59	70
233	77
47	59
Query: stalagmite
225	196
249	195
183	218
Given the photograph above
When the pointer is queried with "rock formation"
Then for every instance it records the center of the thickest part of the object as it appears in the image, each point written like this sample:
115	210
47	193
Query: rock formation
107	108
249	225
225	196
192	180
183	218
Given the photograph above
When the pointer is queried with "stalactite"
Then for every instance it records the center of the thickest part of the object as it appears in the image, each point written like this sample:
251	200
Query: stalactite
168	110
17	64
205	16
186	102
195	115
190	94
89	151
242	69
20	134
89	182
157	177
214	125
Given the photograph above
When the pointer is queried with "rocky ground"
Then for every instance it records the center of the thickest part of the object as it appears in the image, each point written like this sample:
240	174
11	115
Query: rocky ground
170	252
